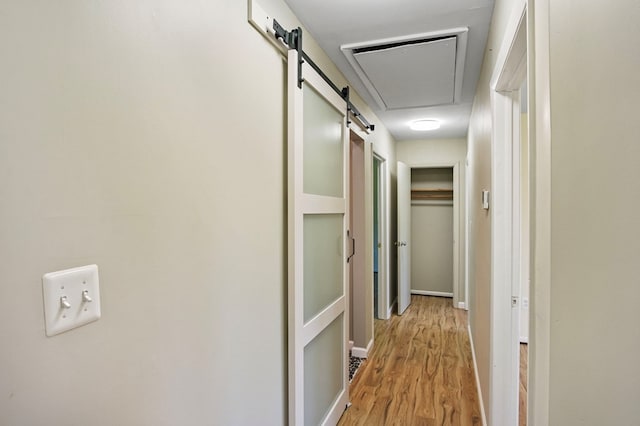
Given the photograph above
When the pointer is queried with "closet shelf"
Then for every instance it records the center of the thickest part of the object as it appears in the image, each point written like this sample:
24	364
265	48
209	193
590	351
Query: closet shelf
432	194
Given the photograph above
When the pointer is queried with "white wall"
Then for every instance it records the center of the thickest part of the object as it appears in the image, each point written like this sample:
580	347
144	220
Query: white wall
431	151
585	337
595	198
132	136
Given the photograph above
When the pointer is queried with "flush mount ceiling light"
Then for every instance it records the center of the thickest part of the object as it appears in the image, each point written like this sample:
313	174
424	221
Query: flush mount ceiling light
424	125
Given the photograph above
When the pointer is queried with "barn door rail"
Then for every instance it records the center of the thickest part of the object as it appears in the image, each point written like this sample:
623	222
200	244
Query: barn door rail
293	40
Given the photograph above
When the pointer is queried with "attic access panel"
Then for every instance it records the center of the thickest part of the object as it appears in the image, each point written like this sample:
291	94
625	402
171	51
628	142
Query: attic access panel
419	70
414	75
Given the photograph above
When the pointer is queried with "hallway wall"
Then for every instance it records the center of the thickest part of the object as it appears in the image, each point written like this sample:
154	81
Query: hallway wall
584	291
132	135
425	151
595	198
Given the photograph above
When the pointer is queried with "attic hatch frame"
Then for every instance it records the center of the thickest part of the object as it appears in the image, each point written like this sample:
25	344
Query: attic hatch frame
293	40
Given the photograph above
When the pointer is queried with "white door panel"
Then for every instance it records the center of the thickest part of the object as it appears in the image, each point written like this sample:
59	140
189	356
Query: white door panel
317	216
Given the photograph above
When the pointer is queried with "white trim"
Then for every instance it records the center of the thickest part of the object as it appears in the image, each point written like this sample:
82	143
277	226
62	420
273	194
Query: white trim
540	148
462	305
368	221
458	244
263	23
432	293
475	371
460	293
467	222
350	344
507	77
362	352
361	224
384	284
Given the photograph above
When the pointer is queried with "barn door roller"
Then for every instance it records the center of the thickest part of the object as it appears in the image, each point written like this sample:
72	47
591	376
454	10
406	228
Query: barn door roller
293	40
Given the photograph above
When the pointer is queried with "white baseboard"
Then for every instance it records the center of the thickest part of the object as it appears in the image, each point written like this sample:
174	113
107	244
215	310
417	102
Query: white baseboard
462	305
432	293
362	352
475	370
350	344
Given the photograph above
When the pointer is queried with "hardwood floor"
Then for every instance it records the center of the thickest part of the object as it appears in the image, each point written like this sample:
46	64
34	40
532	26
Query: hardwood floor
524	359
420	371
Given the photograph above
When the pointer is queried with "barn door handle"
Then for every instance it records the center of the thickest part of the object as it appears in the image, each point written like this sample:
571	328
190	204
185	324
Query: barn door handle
353	248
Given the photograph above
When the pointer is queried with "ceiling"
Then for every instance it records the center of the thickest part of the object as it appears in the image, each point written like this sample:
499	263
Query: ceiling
408	59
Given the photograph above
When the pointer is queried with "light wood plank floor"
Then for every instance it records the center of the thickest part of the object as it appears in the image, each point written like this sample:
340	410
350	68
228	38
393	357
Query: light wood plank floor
420	371
524	360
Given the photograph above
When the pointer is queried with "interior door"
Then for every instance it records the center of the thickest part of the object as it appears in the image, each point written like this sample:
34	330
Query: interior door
317	207
404	237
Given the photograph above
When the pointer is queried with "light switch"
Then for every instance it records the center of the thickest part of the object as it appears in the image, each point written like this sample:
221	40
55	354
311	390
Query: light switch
485	200
71	298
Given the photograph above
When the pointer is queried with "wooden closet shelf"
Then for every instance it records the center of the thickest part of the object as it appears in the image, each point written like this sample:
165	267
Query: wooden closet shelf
432	194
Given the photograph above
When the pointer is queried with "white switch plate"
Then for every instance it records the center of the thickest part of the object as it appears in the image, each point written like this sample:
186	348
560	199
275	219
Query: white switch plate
68	286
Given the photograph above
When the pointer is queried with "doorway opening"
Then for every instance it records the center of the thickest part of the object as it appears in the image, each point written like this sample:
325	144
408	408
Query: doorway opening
381	287
432	231
360	255
431	256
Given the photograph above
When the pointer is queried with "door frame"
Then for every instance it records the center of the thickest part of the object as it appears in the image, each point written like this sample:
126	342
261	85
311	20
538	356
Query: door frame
460	294
509	73
362	314
384	284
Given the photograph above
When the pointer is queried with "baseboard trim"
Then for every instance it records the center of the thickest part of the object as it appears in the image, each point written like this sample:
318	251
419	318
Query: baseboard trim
350	344
431	293
475	370
362	352
462	305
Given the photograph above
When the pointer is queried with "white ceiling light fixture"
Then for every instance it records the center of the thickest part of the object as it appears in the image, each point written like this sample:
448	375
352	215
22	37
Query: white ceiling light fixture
424	125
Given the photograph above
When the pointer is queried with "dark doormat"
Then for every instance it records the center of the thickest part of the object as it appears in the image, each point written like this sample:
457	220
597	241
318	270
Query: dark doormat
354	364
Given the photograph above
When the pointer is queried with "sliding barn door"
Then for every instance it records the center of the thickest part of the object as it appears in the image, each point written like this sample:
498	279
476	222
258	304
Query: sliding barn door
317	208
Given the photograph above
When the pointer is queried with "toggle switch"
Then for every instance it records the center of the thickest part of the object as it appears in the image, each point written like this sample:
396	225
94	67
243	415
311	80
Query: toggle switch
71	298
64	303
